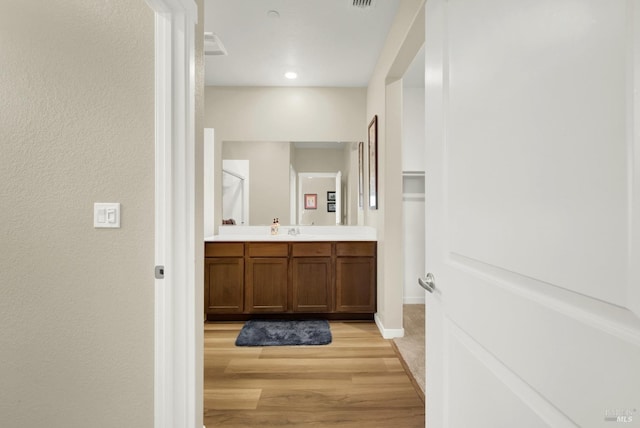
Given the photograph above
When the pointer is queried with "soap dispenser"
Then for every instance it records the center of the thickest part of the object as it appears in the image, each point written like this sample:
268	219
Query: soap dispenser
274	227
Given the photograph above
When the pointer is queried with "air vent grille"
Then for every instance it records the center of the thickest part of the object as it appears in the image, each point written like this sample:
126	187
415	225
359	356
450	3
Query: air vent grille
363	3
213	45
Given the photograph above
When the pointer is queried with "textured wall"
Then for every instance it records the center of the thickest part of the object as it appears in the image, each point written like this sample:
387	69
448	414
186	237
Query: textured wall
76	127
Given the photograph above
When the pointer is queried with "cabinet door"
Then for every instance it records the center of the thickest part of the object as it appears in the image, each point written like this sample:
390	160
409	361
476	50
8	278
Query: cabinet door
312	284
355	284
224	285
266	287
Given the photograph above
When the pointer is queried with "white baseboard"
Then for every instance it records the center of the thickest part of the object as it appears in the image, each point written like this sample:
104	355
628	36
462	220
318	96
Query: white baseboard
388	333
414	300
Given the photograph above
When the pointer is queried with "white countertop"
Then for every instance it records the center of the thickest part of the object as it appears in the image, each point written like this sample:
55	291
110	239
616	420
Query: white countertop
306	233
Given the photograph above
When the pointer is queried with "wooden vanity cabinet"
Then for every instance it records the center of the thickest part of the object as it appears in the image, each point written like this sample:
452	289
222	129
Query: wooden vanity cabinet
312	277
267	277
336	279
224	278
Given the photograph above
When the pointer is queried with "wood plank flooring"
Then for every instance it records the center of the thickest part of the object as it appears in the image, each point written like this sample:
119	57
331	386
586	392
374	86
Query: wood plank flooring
356	381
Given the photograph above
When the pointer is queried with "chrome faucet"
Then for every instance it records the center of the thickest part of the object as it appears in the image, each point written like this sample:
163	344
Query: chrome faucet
293	231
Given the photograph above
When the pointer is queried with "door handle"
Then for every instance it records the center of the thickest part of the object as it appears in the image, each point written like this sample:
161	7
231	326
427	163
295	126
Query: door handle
428	283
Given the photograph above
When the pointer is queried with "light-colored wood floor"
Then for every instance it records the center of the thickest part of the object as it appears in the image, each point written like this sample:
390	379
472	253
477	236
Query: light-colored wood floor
356	381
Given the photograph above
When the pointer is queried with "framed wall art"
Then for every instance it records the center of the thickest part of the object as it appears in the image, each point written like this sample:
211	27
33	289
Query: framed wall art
360	174
310	201
373	163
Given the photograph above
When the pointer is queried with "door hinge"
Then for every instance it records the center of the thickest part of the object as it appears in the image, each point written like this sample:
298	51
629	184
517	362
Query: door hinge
159	272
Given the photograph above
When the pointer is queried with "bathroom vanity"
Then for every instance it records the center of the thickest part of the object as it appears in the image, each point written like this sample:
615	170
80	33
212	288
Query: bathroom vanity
318	271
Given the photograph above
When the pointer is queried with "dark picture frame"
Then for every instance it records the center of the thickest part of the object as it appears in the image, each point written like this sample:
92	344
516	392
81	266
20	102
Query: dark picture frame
331	196
310	201
360	174
373	163
331	207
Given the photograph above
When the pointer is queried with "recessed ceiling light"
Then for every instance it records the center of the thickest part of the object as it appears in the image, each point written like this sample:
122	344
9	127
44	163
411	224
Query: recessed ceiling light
291	75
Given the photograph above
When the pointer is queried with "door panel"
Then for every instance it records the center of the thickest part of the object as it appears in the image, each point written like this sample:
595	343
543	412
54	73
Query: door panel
312	284
531	219
506	188
224	284
355	284
470	366
266	284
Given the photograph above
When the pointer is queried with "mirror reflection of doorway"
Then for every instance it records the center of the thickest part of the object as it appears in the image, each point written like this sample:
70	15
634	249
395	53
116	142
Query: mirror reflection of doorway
327	188
235	191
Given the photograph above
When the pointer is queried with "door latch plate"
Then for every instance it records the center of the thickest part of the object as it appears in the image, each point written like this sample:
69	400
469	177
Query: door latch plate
159	272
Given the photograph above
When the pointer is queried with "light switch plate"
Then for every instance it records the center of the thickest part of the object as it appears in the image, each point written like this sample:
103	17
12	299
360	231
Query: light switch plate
106	215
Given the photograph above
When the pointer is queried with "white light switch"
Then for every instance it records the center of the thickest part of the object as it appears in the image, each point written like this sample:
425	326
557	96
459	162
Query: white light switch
106	215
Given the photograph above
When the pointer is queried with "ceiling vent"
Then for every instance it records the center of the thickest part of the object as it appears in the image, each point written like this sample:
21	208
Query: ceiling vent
213	46
363	4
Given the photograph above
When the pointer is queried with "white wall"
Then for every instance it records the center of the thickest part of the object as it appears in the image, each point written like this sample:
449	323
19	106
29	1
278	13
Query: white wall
76	127
286	113
319	160
413	232
209	182
413	128
413	220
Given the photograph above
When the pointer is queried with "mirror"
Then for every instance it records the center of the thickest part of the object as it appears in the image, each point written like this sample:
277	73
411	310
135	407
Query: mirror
263	180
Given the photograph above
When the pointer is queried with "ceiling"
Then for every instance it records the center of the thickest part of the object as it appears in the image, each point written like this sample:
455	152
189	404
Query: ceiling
326	42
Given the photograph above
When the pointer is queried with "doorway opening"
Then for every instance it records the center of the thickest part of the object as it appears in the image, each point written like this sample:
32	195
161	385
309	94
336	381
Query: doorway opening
412	344
405	116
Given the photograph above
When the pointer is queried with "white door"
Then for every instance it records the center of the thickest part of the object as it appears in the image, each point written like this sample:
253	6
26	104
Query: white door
533	213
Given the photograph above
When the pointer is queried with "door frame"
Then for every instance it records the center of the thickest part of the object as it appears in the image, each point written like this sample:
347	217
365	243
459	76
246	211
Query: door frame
178	393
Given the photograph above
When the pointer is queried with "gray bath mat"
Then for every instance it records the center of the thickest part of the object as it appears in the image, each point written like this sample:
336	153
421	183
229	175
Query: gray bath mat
284	333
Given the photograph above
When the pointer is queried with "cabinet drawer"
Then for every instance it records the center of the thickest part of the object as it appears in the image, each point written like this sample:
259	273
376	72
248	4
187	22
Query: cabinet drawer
268	249
224	249
365	248
311	249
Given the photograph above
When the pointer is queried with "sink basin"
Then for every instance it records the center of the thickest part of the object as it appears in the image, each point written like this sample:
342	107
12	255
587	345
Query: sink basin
298	237
308	233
